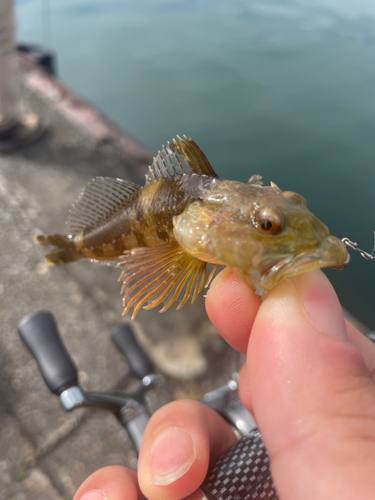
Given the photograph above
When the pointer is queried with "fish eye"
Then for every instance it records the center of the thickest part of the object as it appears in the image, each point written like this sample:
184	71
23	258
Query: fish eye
269	221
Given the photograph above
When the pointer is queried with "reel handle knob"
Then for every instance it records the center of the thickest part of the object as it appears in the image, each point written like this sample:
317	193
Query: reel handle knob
123	338
40	334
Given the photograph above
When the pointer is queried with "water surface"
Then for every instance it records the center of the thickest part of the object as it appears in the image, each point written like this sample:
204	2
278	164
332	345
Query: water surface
283	88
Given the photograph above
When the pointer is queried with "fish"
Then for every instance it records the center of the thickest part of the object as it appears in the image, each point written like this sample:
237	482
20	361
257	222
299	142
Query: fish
185	219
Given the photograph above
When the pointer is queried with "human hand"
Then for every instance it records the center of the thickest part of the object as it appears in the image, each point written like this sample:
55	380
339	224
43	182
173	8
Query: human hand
308	379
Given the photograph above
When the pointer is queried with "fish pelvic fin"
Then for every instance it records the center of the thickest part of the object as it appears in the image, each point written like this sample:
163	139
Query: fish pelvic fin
64	252
163	274
182	156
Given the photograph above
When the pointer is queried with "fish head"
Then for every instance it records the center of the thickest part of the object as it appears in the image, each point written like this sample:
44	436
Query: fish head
261	232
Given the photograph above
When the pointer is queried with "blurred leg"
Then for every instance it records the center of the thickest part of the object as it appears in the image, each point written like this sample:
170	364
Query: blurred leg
9	112
16	129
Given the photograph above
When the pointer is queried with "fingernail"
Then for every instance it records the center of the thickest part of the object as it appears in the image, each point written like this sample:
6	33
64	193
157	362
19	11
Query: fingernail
322	305
94	495
171	456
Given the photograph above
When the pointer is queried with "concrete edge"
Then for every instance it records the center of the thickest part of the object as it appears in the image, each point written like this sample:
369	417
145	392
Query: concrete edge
77	110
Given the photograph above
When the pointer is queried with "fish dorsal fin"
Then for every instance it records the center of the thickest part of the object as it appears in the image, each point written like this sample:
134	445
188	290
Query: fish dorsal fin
162	274
101	197
183	156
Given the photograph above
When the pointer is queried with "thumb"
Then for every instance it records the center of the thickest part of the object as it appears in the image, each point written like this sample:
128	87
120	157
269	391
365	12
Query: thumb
312	395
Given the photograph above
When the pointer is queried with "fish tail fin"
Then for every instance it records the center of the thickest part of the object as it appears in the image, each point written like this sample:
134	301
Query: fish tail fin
65	251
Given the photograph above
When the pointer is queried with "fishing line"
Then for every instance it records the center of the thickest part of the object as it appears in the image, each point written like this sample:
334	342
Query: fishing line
46	23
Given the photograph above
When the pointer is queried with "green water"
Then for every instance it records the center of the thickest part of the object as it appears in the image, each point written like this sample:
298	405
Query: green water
281	88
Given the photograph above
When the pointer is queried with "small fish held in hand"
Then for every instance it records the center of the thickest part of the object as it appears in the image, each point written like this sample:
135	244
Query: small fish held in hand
164	234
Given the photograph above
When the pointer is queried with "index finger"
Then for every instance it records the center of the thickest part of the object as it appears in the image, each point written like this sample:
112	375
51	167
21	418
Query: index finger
232	306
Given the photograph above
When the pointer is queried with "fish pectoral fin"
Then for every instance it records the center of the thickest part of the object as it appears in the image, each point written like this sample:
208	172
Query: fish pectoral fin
154	275
183	156
99	199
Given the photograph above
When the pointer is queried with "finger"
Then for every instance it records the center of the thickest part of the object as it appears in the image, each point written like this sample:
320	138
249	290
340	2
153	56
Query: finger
110	483
232	306
313	397
363	345
244	389
177	446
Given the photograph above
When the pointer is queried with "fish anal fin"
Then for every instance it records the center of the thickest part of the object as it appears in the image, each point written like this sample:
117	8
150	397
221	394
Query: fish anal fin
99	199
163	274
182	156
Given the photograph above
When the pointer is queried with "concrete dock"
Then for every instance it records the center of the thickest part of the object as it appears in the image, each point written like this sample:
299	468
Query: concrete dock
46	453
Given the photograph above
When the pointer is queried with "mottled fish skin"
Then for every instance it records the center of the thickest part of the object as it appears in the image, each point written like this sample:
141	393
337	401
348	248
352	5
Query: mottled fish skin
146	220
163	235
227	232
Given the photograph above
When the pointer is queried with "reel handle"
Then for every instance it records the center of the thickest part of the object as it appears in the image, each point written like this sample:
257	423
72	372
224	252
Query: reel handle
123	338
40	334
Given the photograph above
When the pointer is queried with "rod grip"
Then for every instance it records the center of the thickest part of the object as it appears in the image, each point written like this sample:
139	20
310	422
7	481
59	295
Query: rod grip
241	473
40	334
125	341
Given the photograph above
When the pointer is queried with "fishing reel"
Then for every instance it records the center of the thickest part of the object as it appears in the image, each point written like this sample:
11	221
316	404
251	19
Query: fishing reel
242	472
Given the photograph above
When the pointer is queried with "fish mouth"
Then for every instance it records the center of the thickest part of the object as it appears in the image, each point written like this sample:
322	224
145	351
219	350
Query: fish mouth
330	253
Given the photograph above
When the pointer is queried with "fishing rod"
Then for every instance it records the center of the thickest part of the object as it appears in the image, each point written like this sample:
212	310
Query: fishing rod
46	24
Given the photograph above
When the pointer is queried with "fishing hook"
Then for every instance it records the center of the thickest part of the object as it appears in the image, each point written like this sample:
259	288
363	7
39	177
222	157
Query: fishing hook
354	246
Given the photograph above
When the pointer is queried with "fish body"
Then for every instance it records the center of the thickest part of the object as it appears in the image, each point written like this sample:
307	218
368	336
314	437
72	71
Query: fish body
145	219
185	217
